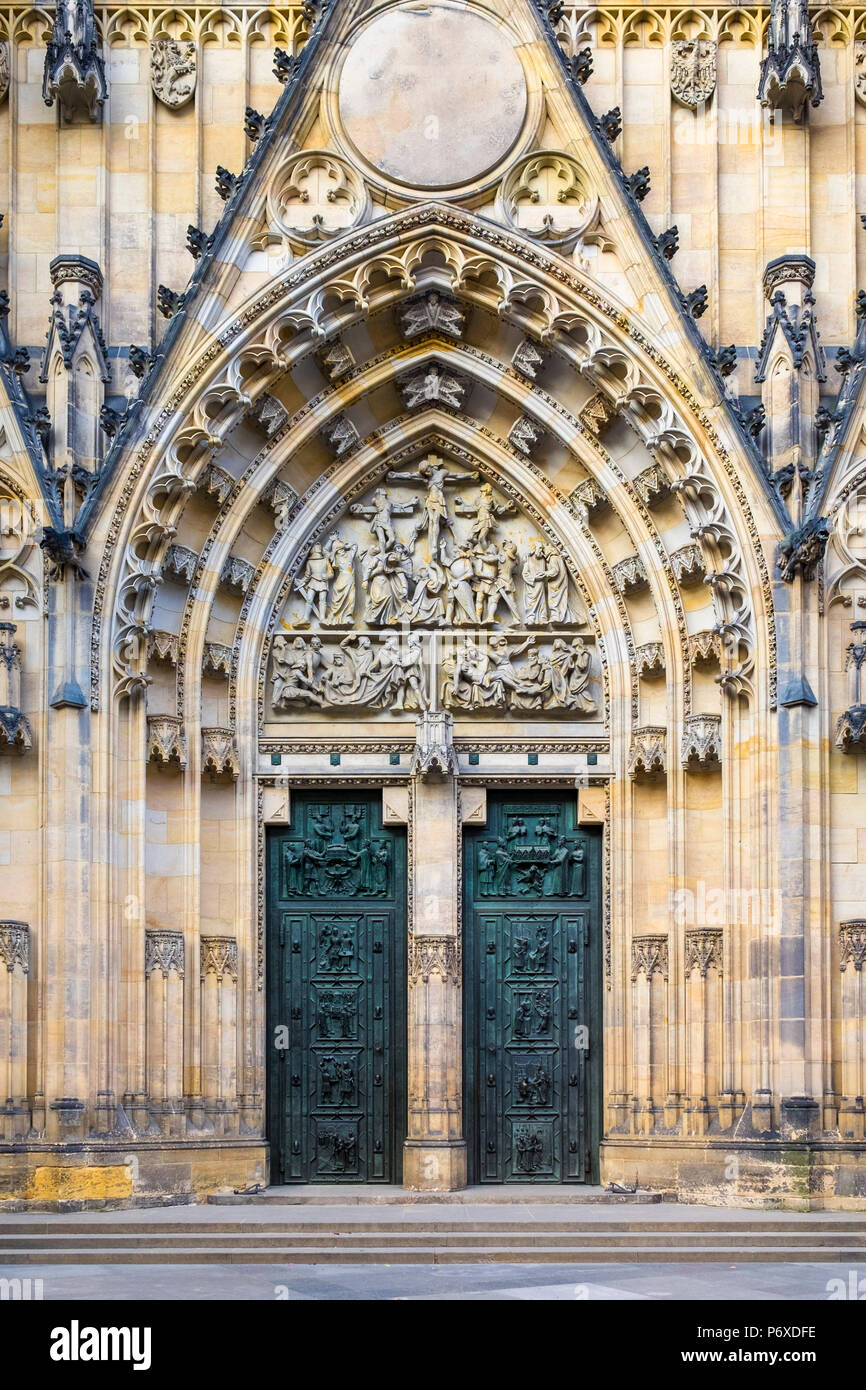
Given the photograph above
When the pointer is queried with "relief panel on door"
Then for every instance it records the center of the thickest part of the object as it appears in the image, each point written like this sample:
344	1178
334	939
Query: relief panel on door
336	974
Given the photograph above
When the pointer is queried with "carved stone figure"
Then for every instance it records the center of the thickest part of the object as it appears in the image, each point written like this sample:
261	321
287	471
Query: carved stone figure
173	71
380	514
433	474
432	385
313	584
341	605
4	70
433	311
487	511
535	610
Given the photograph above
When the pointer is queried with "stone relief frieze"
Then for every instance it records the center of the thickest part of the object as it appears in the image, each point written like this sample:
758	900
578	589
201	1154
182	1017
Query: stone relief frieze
173	71
433	592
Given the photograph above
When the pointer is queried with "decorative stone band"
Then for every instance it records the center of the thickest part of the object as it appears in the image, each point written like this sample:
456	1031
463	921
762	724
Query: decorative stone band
15	945
702	742
219	752
435	955
165	740
650	955
647	755
219	956
163	950
852	944
650	659
703	950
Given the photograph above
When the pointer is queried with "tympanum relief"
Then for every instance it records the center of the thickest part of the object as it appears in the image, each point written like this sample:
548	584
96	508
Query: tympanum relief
434	591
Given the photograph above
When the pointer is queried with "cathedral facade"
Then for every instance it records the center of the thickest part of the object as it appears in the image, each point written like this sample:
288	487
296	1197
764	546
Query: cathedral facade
433	589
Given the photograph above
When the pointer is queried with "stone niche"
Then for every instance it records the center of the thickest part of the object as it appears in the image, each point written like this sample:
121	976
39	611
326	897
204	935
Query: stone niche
433	591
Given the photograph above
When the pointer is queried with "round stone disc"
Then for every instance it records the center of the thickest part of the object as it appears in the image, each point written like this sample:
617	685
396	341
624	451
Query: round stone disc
432	96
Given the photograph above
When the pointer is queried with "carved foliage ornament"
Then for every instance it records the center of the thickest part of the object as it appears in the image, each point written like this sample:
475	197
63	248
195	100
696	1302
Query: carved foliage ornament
693	71
173	71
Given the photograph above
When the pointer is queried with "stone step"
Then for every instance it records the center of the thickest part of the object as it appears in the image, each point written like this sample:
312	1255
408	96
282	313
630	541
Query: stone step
422	1240
337	1254
387	1194
806	1226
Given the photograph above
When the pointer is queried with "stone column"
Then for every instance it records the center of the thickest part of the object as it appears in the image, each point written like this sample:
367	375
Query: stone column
434	1155
164	971
15	956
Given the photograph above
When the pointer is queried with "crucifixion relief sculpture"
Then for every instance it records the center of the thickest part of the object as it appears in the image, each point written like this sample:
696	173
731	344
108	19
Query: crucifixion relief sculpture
410	569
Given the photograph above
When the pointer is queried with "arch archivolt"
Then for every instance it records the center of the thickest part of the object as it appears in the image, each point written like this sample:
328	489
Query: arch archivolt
353	281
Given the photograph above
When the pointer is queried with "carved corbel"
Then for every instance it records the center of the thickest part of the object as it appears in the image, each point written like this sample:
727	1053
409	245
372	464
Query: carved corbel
649	956
219	753
701	748
166	743
647	754
434	754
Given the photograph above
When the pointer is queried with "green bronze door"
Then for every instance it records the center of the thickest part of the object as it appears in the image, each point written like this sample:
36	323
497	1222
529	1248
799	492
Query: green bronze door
532	1027
337	1003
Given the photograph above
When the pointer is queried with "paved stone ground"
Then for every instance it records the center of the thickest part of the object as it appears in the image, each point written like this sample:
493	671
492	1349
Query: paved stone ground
254	1283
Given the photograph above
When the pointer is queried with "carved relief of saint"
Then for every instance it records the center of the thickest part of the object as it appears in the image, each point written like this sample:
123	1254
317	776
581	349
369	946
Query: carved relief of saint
535	609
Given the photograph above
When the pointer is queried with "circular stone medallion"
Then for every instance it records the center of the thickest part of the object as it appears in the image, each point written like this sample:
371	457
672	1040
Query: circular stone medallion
433	97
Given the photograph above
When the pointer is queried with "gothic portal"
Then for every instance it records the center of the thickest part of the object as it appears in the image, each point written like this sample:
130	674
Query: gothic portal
432	598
